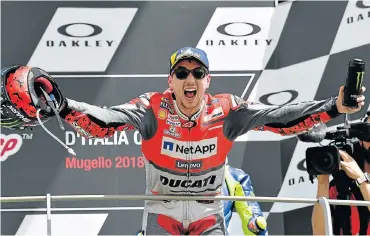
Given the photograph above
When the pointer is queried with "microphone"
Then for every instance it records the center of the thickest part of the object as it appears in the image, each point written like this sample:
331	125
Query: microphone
315	135
360	130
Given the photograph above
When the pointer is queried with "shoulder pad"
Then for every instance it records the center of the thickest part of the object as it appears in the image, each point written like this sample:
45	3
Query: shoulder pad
145	99
237	102
234	101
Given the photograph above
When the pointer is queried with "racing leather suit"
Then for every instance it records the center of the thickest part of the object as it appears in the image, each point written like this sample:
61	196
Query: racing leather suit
187	156
238	183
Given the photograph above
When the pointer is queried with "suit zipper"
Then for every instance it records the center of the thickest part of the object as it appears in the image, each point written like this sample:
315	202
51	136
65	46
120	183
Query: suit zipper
186	220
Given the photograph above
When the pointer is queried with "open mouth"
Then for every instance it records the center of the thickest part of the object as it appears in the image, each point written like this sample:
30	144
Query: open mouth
190	92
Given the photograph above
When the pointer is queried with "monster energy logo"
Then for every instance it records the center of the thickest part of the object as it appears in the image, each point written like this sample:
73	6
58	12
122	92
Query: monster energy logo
360	79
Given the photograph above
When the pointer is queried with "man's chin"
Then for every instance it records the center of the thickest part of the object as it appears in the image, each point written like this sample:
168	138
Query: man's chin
190	104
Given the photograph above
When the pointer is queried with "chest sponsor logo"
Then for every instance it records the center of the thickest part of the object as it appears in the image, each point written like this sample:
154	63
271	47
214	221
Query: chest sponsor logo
190	165
173	117
218	112
188	183
184	150
172	132
173	123
167	106
162	114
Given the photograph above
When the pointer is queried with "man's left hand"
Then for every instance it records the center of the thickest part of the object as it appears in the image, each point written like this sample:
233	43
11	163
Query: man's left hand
350	166
349	110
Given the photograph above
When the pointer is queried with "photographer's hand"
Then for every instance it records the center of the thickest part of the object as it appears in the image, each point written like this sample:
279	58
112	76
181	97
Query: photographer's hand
349	110
352	169
350	166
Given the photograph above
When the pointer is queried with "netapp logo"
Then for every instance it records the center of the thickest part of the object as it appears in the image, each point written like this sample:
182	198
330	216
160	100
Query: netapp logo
188	183
178	149
185	165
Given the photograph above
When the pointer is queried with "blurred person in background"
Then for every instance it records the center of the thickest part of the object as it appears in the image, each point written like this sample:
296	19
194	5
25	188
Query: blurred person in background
238	183
355	179
186	134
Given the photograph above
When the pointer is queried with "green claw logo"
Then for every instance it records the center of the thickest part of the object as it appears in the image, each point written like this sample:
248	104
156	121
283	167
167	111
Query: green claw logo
360	79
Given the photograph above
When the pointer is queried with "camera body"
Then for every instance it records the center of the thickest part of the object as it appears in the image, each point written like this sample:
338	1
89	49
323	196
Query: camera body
326	160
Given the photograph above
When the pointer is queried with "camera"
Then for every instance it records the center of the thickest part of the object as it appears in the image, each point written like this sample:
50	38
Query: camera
324	160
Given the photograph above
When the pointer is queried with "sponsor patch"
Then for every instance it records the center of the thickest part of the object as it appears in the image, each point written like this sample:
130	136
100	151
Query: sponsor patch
189	124
190	165
188	183
218	112
167	106
173	117
162	114
197	150
172	132
173	123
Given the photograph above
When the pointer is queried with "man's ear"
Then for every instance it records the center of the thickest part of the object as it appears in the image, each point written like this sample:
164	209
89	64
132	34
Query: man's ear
170	79
208	81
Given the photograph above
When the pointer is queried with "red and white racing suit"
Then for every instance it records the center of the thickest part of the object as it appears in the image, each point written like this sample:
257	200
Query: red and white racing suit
186	156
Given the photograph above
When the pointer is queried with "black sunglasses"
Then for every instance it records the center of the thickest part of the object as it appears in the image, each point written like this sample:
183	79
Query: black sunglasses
183	73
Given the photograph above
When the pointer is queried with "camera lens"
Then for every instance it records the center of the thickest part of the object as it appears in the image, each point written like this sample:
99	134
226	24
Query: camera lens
324	163
322	160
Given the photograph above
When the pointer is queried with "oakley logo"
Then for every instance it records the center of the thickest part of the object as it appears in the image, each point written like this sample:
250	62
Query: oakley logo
76	27
361	4
265	98
253	29
302	165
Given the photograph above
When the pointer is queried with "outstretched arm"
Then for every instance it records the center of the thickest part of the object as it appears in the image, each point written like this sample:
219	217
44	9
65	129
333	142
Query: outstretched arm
250	212
97	122
283	120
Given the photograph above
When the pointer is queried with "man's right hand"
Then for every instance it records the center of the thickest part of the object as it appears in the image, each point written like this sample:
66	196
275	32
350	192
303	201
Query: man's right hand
349	110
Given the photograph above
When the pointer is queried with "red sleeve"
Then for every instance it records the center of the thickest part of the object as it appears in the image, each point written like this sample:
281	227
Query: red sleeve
99	122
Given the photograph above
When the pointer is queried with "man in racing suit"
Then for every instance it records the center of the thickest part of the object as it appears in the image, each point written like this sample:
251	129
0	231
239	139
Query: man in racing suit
238	183
186	135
